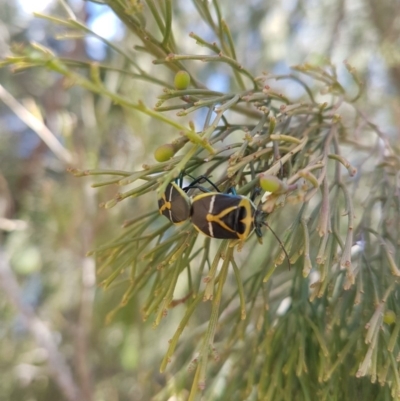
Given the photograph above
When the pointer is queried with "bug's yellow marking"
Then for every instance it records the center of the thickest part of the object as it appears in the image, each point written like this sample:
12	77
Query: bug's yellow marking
166	205
247	221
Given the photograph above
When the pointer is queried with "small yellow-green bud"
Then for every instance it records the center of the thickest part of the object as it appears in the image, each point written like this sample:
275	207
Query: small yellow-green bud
164	152
272	184
389	317
181	80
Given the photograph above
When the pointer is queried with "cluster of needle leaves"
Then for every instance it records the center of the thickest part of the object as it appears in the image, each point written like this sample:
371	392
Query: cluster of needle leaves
329	325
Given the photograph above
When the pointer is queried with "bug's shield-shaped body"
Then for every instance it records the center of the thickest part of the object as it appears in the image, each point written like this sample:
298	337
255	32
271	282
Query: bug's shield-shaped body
174	204
223	216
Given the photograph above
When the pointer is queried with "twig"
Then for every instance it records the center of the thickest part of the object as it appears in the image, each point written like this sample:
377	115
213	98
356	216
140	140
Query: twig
36	125
58	367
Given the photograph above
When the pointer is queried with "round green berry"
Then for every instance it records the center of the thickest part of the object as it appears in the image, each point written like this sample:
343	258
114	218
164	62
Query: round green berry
164	152
389	317
182	80
272	184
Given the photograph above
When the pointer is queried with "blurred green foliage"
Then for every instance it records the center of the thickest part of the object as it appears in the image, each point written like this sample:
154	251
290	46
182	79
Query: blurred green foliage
243	326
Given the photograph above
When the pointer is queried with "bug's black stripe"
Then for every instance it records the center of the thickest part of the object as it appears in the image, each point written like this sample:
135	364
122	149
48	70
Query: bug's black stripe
221	232
200	207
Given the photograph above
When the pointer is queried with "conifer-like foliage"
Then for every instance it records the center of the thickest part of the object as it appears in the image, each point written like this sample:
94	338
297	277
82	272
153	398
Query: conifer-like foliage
249	324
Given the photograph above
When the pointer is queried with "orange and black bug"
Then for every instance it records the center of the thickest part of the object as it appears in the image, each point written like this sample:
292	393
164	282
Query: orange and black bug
215	214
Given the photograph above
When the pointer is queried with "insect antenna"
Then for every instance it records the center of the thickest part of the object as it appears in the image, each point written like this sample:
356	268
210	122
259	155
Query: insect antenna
280	242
